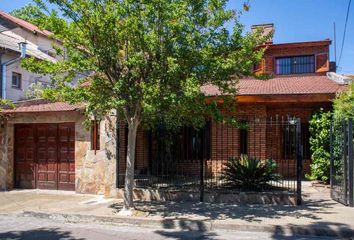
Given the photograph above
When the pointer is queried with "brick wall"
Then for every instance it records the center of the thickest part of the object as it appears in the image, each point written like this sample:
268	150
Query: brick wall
264	142
321	53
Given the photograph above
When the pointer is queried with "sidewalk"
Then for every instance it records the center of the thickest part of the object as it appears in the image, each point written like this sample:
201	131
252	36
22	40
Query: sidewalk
318	215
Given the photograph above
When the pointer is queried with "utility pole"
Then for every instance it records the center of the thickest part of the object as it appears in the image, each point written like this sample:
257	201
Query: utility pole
335	46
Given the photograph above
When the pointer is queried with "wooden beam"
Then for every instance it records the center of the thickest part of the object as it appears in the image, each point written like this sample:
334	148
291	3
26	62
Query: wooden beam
280	98
299	98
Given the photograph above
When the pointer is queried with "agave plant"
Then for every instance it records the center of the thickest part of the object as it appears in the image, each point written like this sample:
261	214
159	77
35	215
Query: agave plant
249	172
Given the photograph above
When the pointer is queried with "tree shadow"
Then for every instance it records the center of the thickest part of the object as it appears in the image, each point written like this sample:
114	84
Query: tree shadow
41	233
318	229
310	209
185	229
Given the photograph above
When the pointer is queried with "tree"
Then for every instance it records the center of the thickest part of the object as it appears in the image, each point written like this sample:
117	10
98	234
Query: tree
148	60
344	103
30	13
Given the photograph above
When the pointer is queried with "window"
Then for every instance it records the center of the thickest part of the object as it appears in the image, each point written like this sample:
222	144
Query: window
295	65
95	135
16	80
289	141
192	145
243	140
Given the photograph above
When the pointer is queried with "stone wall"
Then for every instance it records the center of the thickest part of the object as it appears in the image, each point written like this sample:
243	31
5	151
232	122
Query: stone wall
94	172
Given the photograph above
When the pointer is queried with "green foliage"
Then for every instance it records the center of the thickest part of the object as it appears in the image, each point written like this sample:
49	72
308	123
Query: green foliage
344	103
264	76
5	103
320	125
250	172
30	13
150	58
35	91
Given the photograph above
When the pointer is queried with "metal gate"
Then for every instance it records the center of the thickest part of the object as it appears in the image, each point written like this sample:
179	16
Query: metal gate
342	141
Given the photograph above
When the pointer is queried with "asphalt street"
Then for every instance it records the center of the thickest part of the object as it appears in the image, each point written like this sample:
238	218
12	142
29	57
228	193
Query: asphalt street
28	228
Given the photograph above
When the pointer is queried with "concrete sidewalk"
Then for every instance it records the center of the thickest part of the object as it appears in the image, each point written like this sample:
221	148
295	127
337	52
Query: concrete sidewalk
319	215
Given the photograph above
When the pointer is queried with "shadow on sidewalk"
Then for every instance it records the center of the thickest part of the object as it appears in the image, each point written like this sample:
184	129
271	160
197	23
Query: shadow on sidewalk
319	229
218	211
41	233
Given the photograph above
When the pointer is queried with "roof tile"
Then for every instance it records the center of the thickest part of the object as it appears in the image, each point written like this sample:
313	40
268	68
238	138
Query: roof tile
281	85
40	106
24	24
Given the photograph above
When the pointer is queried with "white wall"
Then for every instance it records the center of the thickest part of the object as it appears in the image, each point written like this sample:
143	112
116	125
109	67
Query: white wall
28	78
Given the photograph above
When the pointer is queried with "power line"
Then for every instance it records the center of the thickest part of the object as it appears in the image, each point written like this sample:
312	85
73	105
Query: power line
345	30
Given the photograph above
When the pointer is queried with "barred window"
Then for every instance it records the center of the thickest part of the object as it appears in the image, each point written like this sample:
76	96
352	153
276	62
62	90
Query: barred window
295	65
243	140
192	145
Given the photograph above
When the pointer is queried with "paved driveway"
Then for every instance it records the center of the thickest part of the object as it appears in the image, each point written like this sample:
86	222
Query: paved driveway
18	201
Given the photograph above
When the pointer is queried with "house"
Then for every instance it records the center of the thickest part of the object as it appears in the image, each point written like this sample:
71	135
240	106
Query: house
20	39
44	145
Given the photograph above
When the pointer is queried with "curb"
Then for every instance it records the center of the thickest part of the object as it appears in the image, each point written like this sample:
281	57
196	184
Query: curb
196	225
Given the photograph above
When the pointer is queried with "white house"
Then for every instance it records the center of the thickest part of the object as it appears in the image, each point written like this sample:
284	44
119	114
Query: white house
20	39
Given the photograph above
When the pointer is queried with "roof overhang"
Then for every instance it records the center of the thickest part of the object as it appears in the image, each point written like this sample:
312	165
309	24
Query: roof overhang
280	98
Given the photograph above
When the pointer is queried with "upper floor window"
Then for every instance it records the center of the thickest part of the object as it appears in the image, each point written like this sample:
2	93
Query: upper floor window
295	65
16	80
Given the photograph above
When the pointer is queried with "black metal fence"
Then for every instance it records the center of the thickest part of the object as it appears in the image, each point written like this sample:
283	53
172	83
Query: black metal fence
196	160
342	161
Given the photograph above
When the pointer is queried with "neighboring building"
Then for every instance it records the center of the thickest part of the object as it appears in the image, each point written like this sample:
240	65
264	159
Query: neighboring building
20	39
44	145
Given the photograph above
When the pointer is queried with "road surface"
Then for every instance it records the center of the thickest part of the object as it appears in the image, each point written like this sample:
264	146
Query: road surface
28	228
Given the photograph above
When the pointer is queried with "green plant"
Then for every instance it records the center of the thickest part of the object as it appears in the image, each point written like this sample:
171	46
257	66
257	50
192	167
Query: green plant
344	103
320	125
264	76
249	172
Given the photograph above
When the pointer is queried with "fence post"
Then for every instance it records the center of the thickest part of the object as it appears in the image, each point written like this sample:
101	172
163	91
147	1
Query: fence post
350	163
117	150
345	159
202	156
331	177
299	157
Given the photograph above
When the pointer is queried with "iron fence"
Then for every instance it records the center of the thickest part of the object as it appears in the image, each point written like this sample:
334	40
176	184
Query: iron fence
342	158
196	160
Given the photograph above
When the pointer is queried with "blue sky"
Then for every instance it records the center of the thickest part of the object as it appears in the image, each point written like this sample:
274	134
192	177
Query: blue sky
295	20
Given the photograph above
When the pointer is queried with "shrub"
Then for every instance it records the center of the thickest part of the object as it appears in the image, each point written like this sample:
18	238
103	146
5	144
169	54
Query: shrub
249	172
344	103
320	125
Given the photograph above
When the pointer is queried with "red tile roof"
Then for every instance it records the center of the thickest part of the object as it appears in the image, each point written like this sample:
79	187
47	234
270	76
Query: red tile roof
41	106
286	85
26	25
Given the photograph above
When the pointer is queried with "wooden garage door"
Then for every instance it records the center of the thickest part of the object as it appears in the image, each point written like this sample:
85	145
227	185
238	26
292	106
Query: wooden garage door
45	156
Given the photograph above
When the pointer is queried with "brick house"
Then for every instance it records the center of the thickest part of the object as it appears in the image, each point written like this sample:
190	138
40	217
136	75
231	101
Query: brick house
44	145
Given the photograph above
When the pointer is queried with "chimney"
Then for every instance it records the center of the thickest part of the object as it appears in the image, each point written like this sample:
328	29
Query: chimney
267	30
23	49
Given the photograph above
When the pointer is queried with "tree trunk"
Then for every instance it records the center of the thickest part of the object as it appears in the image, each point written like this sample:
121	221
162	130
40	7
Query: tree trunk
129	173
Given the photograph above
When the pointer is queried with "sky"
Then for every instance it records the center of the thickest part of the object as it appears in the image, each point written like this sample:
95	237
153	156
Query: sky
294	20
